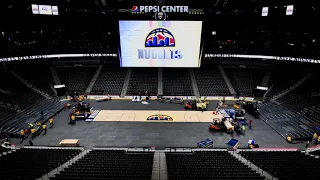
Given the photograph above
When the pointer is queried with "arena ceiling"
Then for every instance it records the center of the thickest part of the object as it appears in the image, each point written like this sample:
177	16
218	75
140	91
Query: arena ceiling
90	26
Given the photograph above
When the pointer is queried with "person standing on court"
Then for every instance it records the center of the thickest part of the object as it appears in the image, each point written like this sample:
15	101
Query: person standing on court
51	122
307	145
22	135
250	123
44	127
33	132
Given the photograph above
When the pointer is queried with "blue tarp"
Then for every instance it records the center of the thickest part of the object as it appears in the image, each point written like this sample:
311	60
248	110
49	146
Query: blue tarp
205	143
224	113
243	122
232	142
230	112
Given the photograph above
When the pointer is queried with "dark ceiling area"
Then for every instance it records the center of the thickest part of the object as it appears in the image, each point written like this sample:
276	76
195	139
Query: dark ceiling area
91	26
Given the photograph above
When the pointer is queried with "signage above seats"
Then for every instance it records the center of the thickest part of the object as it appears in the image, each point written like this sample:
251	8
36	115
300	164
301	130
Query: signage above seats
279	58
44	9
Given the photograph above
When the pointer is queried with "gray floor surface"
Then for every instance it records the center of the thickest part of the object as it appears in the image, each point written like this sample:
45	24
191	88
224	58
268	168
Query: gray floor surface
148	134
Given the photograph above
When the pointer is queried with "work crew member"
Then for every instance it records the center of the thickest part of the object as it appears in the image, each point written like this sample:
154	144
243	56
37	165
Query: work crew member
7	137
251	146
33	132
51	122
250	123
289	139
30	125
307	145
38	124
73	118
243	129
232	128
22	134
44	127
318	139
315	138
26	132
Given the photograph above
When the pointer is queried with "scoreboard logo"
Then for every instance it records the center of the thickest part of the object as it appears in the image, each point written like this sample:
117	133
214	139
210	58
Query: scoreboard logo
135	9
156	42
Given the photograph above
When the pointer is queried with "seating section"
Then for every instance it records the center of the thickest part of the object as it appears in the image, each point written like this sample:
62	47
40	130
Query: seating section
22	105
244	80
76	78
177	82
210	82
316	153
281	80
110	81
37	74
110	164
142	80
3	149
28	163
207	165
285	165
305	99
298	113
286	121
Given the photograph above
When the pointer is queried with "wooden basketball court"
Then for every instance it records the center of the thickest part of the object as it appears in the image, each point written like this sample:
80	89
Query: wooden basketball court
139	116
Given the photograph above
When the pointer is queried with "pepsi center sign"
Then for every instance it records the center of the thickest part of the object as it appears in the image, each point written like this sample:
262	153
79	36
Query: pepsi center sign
156	9
160	43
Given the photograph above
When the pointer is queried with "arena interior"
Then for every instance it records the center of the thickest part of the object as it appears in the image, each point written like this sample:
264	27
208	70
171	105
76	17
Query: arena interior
159	90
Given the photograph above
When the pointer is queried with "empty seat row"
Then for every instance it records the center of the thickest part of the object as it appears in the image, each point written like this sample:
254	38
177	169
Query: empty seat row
244	80
177	82
285	165
27	163
142	80
207	165
76	78
110	164
210	82
110	80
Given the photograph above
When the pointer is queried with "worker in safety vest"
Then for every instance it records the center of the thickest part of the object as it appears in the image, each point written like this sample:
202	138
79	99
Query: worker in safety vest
22	134
44	127
318	139
243	129
232	128
33	132
30	125
73	118
315	136
51	122
202	107
289	139
251	146
38	124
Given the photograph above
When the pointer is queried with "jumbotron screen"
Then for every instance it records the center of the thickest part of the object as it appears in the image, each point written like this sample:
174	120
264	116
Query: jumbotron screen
160	43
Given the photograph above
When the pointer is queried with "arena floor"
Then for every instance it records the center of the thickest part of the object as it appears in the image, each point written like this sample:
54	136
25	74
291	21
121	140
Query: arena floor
147	134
